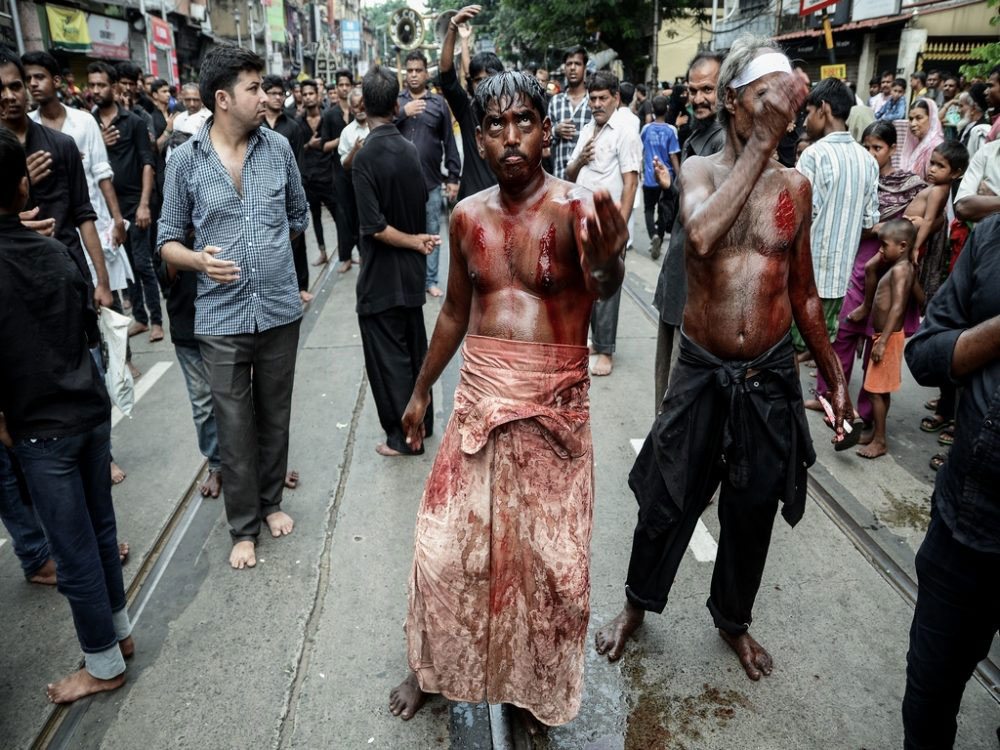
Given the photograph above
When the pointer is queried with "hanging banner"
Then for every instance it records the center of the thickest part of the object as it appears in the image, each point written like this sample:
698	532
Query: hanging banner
108	37
68	28
276	20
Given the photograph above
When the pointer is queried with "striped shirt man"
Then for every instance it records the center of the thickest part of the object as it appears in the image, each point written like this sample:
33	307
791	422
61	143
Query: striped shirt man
562	108
844	180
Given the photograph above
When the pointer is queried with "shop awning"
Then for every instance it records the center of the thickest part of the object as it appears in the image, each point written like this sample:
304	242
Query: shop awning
869	23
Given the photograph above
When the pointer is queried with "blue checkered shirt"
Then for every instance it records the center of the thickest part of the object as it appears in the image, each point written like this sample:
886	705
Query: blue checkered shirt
561	108
252	229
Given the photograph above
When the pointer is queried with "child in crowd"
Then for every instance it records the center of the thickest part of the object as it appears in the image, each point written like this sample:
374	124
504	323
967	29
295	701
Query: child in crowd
891	295
659	143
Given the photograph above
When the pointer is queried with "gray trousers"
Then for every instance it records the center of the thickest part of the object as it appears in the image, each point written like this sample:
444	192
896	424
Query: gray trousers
667	341
251	377
604	323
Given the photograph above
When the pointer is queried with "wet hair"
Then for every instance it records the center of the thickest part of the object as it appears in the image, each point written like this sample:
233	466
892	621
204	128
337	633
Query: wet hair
380	90
920	76
977	94
343	74
310	82
884	130
505	89
576	51
922	104
157	84
222	67
743	51
13	163
487	61
834	92
603	80
660	105
627	91
128	71
42	60
416	55
901	230
103	67
270	81
703	57
955	154
901	82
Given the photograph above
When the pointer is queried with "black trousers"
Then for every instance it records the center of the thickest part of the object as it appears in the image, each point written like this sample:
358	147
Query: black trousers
301	262
658	206
144	292
746	517
319	196
395	344
251	377
667	348
346	216
954	623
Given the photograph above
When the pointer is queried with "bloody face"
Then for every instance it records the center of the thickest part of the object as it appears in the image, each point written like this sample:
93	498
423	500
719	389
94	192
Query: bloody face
511	138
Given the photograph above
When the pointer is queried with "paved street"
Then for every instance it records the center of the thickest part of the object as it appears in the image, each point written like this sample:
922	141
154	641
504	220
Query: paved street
302	651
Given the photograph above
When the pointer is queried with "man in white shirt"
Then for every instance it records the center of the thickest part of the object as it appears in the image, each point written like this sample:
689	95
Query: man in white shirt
979	194
607	156
192	118
352	138
885	90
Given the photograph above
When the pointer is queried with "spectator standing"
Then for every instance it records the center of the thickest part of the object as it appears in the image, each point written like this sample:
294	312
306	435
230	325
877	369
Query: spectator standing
240	188
424	120
923	136
341	117
133	96
608	156
894	108
659	142
392	198
133	164
844	179
352	138
934	91
877	101
979	193
191	120
918	86
974	126
569	110
317	161
56	417
950	112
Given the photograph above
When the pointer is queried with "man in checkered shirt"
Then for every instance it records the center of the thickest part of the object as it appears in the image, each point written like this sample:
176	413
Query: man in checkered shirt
569	111
238	186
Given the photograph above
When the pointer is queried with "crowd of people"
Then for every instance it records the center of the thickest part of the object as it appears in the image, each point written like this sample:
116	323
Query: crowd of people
795	229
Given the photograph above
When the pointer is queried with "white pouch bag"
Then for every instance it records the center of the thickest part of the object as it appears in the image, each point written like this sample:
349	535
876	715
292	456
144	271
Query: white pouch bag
117	376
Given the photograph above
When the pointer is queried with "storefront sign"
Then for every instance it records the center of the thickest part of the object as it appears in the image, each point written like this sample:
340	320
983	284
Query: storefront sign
276	20
108	37
811	6
160	33
838	71
874	9
350	35
68	28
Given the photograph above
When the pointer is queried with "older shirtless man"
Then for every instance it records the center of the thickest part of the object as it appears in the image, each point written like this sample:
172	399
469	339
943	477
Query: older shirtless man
499	592
733	411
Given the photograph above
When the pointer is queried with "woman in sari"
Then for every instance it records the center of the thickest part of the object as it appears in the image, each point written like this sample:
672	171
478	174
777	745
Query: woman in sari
896	188
922	137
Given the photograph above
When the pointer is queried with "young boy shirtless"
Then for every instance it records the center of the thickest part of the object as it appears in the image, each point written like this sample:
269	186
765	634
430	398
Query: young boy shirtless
889	288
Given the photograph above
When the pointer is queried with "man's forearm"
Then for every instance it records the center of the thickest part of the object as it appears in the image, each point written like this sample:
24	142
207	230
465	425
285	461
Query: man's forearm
178	256
92	242
448	334
977	207
631	185
976	347
447	60
604	281
392	236
573	170
811	323
148	178
111	198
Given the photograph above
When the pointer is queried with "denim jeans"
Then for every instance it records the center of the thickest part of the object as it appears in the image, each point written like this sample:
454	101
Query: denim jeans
200	394
26	534
70	486
433	227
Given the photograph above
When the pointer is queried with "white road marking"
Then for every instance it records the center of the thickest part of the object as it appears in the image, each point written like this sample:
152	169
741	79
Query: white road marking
2	542
702	545
146	382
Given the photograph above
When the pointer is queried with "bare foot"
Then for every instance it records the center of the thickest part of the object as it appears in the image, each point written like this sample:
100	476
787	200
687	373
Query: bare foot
280	523
532	726
117	475
80	684
344	267
866	437
127	646
407	698
384	450
292	480
212	486
323	260
873	449
45	575
156	334
306	297
136	328
135	371
755	660
435	292
123	550
813	404
611	638
243	555
591	350
602	365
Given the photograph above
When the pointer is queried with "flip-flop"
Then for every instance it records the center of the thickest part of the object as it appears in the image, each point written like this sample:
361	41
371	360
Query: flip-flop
932	404
937	460
851	438
934	424
947	437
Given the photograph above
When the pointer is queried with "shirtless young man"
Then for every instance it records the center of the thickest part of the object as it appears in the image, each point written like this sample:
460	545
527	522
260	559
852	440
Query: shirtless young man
499	593
733	412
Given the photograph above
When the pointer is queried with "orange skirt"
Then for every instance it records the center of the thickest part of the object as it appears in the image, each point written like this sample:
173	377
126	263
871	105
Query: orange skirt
885	376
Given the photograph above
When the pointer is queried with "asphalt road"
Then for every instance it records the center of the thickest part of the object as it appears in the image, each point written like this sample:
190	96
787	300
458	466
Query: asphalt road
302	651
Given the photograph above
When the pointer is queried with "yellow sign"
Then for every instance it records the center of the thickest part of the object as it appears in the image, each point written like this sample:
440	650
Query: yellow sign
68	28
833	71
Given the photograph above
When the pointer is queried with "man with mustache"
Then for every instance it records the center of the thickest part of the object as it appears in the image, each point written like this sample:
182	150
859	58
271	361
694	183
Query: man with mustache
499	593
607	156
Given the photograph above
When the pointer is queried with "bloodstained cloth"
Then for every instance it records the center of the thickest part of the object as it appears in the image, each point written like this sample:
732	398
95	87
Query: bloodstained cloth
500	588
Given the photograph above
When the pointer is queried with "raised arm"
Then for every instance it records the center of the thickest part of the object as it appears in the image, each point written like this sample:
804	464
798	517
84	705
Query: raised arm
601	233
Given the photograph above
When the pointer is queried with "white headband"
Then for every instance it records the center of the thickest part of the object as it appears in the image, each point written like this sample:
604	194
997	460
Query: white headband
770	62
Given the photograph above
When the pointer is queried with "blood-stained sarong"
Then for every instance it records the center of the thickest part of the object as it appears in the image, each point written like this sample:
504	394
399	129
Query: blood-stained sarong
500	588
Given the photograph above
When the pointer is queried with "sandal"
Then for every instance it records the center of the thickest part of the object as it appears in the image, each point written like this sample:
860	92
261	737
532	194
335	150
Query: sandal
932	405
947	437
935	423
937	460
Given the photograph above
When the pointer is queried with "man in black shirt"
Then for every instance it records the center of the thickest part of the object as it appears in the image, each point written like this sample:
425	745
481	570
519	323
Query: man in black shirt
58	183
277	120
129	93
476	175
132	160
340	117
317	161
958	564
55	417
392	197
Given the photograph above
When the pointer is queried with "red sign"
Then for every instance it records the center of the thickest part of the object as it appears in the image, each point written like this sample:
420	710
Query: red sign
811	6
161	32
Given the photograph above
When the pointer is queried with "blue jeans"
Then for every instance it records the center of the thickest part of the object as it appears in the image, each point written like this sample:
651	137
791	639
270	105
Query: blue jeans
433	227
19	518
70	486
200	394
